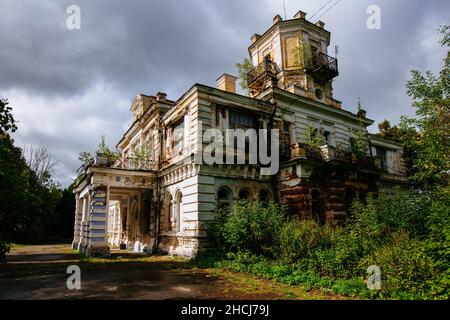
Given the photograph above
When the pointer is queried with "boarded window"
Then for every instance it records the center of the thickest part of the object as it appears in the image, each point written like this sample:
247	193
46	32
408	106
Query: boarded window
178	137
290	56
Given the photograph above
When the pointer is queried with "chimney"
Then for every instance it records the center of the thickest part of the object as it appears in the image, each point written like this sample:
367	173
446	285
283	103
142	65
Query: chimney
300	15
277	19
320	24
255	37
227	82
161	96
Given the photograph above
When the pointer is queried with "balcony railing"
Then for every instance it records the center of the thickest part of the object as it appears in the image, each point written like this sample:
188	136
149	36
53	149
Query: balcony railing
133	163
257	75
322	67
324	153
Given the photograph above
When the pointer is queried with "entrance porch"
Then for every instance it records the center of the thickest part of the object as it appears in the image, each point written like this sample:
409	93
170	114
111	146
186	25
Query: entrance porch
115	207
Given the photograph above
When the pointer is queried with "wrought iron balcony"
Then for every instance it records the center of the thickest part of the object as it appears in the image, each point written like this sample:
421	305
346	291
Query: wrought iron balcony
259	74
322	67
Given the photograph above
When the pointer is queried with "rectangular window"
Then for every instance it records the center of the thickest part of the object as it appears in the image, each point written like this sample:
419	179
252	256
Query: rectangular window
381	155
239	120
178	137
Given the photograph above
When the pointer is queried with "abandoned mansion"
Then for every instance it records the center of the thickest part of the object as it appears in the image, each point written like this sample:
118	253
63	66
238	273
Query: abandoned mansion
158	196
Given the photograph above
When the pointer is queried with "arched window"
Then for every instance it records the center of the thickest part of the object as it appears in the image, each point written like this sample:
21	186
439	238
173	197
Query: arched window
317	206
178	211
244	194
224	198
264	196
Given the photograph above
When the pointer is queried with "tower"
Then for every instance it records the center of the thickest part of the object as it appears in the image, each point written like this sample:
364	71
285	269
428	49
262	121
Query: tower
293	55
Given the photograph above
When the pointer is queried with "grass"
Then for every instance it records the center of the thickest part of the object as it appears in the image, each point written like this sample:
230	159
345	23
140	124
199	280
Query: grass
241	285
259	286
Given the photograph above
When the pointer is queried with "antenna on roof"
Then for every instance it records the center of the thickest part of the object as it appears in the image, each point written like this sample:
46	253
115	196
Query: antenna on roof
336	51
284	8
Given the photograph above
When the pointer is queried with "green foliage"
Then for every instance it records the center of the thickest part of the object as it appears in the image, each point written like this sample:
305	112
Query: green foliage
401	135
431	100
104	150
87	158
350	287
405	266
359	143
4	249
405	232
28	204
7	123
141	157
313	138
397	210
243	69
340	259
302	53
251	227
299	238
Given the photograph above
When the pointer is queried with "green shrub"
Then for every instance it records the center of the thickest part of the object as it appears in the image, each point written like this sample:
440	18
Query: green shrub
398	210
252	227
4	249
405	233
351	287
438	244
298	239
405	267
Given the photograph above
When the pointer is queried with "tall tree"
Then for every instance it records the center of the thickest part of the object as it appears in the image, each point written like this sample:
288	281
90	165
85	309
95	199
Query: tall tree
431	101
41	162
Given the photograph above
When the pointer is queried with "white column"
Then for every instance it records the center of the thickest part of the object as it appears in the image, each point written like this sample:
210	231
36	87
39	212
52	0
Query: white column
98	221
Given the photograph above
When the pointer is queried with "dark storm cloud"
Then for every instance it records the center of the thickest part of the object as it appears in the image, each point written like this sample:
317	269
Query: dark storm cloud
138	45
69	87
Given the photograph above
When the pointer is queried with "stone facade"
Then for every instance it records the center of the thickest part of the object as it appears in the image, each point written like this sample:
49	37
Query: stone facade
156	196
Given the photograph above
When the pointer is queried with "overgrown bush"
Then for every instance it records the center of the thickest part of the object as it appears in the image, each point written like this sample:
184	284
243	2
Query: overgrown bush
406	268
397	210
406	233
299	238
252	227
340	259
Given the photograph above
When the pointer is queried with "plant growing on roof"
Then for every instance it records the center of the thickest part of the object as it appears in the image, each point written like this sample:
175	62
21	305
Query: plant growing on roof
313	138
141	157
244	68
302	53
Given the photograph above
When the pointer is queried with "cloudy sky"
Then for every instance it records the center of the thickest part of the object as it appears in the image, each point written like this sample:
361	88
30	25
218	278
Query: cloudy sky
69	87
